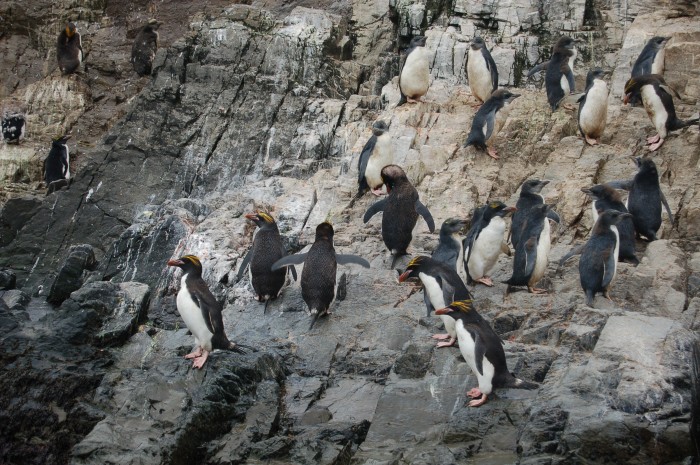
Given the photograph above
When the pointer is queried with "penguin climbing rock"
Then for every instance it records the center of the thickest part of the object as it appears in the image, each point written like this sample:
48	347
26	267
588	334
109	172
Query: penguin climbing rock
532	254
481	70
377	153
69	49
201	312
529	197
401	209
318	283
484	242
598	263
485	121
645	199
13	122
143	51
57	163
267	249
593	107
651	59
482	349
414	77
441	284
658	102
450	250
559	79
606	198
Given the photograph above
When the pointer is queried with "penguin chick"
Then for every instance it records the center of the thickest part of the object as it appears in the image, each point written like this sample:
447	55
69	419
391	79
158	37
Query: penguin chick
593	107
318	283
57	163
414	77
482	349
481	70
377	153
606	198
401	209
13	122
267	249
559	79
658	102
201	312
484	242
598	263
529	197
441	284
69	49
651	59
485	120
143	51
449	249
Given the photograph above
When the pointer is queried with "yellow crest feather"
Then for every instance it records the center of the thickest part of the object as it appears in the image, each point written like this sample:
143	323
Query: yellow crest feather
462	305
192	258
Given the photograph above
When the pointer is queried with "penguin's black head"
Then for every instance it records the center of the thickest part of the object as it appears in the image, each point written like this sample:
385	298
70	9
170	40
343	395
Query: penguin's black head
453	225
379	128
632	87
417	41
658	41
504	94
456	309
477	43
534	186
612	217
324	231
261	219
61	140
71	29
153	24
497	208
391	175
646	165
565	42
595	73
190	264
601	192
415	266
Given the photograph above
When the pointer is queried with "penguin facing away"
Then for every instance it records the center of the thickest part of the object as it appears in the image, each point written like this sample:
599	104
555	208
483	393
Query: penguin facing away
529	197
267	249
377	153
593	107
651	59
318	278
485	120
482	72
69	49
401	209
201	312
414	77
144	49
559	78
658	103
57	163
450	250
482	349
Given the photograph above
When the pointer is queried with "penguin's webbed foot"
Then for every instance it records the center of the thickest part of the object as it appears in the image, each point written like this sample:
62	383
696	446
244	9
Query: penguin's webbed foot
485	280
441	337
653	139
591	141
474	393
196	354
478	402
449	343
535	290
568	106
378	192
478	397
200	361
492	153
654	147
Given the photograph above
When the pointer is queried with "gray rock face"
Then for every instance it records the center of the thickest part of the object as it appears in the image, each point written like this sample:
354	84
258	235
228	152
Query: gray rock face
80	258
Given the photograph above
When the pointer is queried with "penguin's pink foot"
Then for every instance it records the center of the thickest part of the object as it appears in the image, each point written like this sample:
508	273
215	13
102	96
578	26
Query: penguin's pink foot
535	290
566	106
441	336
486	281
199	361
492	153
449	343
478	402
653	139
474	393
590	141
378	191
197	353
654	147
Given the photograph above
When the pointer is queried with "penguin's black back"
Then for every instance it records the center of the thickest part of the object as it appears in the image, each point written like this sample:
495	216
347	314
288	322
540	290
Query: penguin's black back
526	251
625	228
400	217
594	256
552	78
644	203
68	51
267	249
144	49
211	310
54	164
526	201
318	276
645	59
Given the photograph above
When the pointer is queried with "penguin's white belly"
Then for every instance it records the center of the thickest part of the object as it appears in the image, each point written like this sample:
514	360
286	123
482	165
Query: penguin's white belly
595	212
655	109
657	66
467	346
434	291
542	255
479	75
382	155
192	315
487	248
594	113
616	251
67	162
460	259
565	85
415	76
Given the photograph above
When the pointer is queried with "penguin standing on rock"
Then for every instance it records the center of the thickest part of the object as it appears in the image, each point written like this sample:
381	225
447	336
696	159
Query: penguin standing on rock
267	249
69	49
593	107
651	60
559	79
201	312
658	102
484	242
13	122
529	197
401	209
318	283
482	349
450	250
143	51
414	77
377	153
481	70
485	121
57	163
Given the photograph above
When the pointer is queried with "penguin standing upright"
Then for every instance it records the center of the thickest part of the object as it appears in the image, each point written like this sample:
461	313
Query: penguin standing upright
201	312
598	263
414	77
559	79
485	121
593	107
267	249
484	242
441	284
658	102
450	250
401	209
481	70
606	198
318	277
13	122
57	163
482	349
144	49
651	59
377	153
532	254
69	49
529	197
645	198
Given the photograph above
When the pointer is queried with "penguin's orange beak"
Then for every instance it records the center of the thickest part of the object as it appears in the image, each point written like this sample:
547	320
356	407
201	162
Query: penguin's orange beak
443	311
175	263
510	209
252	216
404	276
626	99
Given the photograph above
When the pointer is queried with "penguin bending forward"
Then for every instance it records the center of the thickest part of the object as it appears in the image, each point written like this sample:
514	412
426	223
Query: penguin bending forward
485	121
529	197
267	249
482	72
377	153
201	312
144	49
69	49
593	107
559	79
485	242
318	280
482	349
414	77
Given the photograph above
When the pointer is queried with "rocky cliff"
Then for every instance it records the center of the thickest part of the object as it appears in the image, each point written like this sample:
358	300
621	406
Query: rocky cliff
266	105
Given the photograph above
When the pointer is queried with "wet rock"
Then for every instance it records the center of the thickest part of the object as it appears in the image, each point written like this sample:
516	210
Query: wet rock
70	276
413	361
8	279
16	300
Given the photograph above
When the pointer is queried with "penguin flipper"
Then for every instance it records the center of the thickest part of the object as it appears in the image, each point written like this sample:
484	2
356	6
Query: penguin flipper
608	268
296	259
479	347
530	256
244	264
552	215
493	69
575	251
363	161
621	184
541	67
423	211
373	210
347	259
211	309
668	209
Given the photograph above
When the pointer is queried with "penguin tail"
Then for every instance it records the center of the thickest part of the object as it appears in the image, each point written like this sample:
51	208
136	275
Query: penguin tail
314	316
267	302
240	348
518	383
683	124
402	100
357	197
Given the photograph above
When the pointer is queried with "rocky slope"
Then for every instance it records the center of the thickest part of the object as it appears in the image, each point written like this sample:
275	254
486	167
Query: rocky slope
268	106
